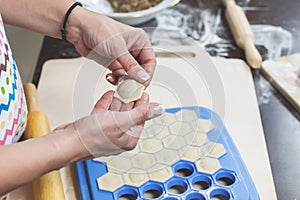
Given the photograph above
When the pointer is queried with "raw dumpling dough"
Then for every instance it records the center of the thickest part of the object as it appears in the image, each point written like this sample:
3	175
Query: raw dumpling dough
129	90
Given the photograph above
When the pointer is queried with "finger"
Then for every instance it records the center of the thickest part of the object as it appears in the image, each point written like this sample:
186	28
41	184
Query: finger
148	62
115	65
111	78
116	104
117	69
135	131
131	143
146	57
133	69
104	102
133	134
127	106
144	99
143	56
143	52
138	115
115	77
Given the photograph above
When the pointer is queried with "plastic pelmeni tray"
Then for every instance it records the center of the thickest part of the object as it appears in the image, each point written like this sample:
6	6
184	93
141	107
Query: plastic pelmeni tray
185	154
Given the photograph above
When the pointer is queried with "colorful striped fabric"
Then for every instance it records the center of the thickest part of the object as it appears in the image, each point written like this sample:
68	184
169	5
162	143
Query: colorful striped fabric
13	110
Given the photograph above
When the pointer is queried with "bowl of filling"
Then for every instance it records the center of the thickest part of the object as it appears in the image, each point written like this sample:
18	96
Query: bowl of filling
131	12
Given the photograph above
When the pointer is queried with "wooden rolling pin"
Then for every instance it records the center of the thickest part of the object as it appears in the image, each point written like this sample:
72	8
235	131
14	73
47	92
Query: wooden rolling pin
48	186
242	32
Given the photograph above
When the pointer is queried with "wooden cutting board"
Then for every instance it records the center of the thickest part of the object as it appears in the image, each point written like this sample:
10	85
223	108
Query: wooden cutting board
68	89
283	74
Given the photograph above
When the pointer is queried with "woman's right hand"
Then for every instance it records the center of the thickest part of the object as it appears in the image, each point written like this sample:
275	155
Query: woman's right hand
113	127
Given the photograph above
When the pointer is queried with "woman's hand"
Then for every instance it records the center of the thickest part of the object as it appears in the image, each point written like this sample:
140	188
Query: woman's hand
113	127
121	48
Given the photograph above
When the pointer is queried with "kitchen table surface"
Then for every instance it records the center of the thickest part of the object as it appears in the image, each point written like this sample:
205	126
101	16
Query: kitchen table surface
273	20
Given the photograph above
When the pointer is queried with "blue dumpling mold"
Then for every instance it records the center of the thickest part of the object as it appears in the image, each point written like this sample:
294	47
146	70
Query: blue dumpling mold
186	154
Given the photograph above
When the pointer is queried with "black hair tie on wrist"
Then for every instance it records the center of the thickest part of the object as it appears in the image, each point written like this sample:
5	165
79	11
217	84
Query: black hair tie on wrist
63	29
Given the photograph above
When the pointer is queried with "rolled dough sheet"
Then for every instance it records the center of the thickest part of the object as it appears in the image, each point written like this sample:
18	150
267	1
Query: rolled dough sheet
283	74
59	100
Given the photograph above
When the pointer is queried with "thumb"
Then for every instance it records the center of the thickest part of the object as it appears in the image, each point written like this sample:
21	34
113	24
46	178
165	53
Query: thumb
138	115
146	111
133	68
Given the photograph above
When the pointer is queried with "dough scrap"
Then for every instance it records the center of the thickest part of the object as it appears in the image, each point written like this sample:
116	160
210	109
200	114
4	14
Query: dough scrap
129	90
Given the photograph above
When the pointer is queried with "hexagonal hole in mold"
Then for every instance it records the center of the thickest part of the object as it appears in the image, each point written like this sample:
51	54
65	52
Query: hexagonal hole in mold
177	186
127	193
195	196
219	194
225	178
201	182
183	169
152	190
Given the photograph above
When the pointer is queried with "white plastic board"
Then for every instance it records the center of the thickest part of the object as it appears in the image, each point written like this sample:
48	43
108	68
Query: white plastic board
68	89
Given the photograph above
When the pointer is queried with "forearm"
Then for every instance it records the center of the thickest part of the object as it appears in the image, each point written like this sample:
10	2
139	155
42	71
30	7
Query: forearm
22	162
43	16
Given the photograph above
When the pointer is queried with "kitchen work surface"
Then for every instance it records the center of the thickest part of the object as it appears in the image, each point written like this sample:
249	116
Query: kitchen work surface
277	32
227	88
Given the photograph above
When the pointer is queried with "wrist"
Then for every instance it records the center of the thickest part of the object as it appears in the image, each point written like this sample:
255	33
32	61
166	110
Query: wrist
74	24
70	144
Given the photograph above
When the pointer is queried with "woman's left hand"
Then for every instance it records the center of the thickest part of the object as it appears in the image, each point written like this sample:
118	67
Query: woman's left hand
119	47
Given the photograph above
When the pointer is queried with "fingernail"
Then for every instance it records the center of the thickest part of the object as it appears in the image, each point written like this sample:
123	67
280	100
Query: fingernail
142	74
156	111
110	79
